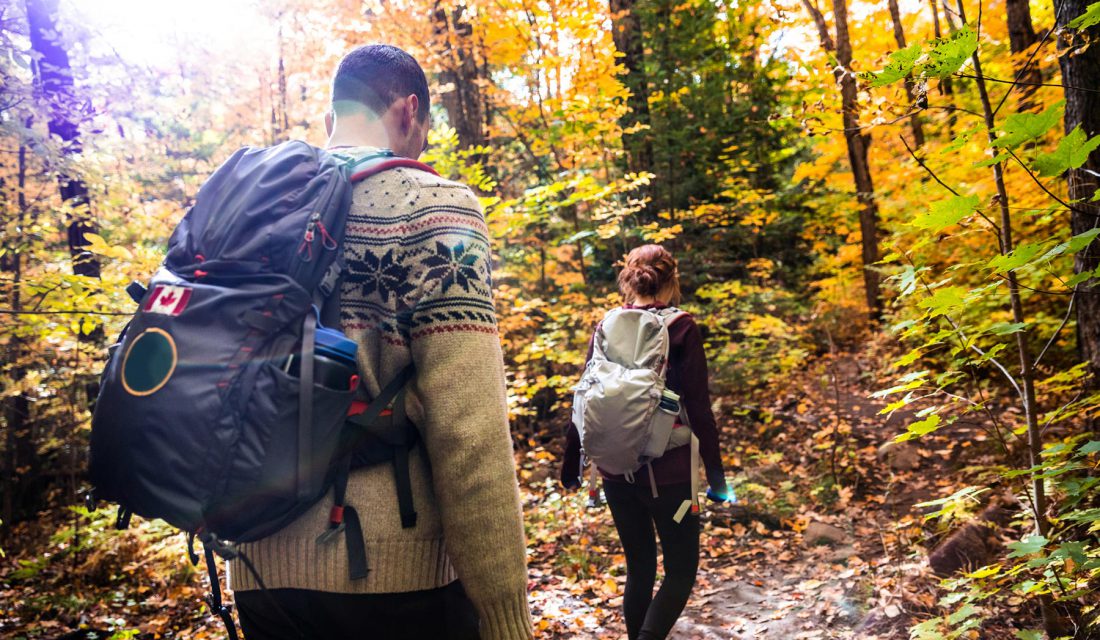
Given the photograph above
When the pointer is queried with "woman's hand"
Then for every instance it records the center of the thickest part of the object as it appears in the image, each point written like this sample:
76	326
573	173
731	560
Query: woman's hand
570	480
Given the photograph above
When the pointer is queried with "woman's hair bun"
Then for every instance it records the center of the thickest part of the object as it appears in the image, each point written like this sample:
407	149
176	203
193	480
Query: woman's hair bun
649	270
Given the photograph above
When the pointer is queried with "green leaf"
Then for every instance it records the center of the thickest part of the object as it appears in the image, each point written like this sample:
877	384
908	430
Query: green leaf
948	54
1019	256
1092	446
1078	279
1029	545
1072	152
1029	634
944	300
1082	240
1076	551
1090	17
985	572
1072	246
964	612
1019	128
920	428
900	65
989	162
1007	328
945	213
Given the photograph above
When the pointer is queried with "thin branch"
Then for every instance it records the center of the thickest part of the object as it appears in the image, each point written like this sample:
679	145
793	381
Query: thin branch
1024	69
945	185
1054	336
1028	84
966	341
89	312
1043	186
925	167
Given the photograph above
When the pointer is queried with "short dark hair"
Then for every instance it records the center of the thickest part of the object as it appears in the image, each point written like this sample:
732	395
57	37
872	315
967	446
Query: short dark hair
377	74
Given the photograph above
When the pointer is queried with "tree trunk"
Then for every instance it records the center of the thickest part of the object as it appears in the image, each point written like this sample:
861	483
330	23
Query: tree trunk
910	86
1081	76
1021	36
54	85
20	463
857	147
626	31
460	75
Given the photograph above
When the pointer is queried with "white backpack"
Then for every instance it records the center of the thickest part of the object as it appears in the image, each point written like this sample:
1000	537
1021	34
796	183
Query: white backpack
621	408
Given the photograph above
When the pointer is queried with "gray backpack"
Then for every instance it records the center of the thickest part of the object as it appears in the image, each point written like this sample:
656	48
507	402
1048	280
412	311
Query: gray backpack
621	408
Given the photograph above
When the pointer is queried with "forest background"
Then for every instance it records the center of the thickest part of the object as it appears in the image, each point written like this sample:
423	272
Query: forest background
885	214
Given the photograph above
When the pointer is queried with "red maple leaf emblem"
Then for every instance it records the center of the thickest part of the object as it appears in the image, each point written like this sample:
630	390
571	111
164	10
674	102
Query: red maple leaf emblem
167	298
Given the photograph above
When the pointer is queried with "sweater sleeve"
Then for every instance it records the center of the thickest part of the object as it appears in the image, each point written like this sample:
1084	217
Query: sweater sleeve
460	381
694	379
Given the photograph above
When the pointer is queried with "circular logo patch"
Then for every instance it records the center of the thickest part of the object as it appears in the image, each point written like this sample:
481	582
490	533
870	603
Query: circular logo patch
149	362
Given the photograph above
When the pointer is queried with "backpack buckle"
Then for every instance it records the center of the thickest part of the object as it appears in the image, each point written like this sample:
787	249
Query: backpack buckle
331	277
330	534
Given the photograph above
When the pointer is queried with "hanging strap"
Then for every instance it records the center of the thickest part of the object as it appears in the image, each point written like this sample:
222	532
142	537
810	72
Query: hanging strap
122	522
191	555
695	460
305	406
652	479
215	597
694	474
394	431
401	478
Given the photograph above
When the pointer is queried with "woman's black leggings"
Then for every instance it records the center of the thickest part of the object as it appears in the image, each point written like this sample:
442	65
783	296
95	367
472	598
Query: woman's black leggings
636	511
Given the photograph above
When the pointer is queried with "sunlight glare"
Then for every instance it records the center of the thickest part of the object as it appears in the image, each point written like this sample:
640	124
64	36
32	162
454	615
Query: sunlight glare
151	31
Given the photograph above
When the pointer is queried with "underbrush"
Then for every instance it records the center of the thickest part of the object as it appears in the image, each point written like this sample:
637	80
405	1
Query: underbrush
73	571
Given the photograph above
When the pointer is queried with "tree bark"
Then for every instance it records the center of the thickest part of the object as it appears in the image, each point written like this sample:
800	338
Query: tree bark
910	86
1021	36
54	86
463	101
858	144
1080	65
626	31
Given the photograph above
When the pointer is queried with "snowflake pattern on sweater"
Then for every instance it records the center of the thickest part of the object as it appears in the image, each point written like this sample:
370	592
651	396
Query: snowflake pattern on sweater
422	271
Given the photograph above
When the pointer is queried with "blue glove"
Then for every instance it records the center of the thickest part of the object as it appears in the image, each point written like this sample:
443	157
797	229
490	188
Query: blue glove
719	497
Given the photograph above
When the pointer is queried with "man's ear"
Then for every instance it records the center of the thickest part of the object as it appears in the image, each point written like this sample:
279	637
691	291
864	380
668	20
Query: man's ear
328	123
412	108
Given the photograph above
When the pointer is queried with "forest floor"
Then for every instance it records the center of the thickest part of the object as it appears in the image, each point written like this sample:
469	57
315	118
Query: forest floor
801	556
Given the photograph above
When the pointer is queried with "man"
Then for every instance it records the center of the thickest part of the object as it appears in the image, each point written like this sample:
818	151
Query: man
417	290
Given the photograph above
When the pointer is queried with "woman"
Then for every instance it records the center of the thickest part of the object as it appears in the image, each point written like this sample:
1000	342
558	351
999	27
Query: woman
650	281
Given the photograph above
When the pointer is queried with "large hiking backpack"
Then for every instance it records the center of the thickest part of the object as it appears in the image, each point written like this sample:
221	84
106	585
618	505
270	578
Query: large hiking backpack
208	416
625	415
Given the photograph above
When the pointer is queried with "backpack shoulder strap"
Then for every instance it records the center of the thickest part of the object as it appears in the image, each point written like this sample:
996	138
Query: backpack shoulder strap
668	315
328	300
379	162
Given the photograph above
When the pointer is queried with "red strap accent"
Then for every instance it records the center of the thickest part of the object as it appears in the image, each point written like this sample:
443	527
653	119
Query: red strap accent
354	383
357	407
336	516
199	273
360	406
392	163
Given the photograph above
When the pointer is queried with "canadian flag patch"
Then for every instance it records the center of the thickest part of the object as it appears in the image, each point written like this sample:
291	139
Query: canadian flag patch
168	300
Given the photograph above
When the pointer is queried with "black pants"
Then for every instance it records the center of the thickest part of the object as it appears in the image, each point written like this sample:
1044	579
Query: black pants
636	511
444	613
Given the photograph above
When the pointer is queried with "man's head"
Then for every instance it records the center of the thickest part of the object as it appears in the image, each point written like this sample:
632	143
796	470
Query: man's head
380	83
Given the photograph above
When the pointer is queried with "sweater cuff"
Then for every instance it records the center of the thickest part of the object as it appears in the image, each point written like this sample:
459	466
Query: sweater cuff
506	620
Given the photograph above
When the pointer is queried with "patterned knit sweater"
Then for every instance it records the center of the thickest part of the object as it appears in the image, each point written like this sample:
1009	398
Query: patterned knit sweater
418	289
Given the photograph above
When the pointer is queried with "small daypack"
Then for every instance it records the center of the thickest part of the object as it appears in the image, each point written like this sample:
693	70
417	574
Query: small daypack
625	415
207	415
